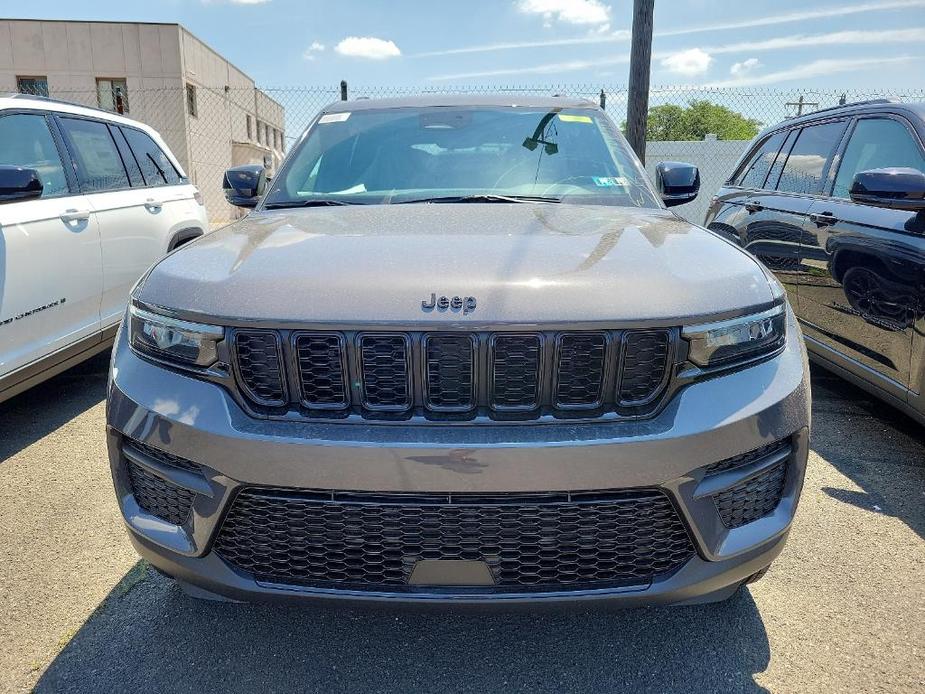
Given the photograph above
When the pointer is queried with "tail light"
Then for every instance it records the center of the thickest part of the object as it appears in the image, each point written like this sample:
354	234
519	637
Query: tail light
197	196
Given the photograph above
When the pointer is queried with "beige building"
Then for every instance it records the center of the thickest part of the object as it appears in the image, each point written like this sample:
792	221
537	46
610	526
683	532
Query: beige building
209	111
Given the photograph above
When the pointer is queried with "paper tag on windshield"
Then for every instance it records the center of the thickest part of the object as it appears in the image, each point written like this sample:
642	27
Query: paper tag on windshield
334	117
609	181
574	118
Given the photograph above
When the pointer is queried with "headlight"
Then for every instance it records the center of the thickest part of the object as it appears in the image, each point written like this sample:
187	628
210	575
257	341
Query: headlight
172	340
738	339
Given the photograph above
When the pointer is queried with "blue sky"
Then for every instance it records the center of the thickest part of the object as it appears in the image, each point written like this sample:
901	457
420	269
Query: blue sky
785	43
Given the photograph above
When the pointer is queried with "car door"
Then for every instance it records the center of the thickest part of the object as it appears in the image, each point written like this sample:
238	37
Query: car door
50	263
130	229
869	261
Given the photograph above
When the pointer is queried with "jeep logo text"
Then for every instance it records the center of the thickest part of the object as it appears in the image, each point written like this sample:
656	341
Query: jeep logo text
466	304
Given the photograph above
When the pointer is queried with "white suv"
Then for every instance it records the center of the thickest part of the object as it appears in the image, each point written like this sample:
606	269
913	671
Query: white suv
88	201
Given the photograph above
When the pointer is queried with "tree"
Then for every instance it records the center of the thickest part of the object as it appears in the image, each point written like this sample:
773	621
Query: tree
697	119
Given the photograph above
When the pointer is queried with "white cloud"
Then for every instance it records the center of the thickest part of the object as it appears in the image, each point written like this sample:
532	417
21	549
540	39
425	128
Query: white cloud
568	11
745	67
545	69
821	13
689	63
618	36
311	51
367	47
248	2
817	68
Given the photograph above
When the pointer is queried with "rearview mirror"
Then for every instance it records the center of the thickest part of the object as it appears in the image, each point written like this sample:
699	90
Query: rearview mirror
19	183
244	185
677	182
898	188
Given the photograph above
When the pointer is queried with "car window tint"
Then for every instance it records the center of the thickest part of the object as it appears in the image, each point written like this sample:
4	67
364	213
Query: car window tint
25	140
128	158
155	166
774	173
877	143
99	166
759	165
807	160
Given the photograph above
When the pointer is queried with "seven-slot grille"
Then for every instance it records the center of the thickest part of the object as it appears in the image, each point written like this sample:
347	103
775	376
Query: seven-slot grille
459	374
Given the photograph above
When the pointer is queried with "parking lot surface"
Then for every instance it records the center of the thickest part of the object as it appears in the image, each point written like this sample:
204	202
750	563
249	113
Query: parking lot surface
842	609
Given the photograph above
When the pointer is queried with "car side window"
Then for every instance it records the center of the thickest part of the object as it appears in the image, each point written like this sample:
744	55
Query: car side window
26	141
774	173
99	166
128	158
155	165
806	165
757	169
877	143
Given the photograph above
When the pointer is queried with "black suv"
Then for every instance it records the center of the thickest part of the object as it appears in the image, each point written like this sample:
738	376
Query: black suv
834	203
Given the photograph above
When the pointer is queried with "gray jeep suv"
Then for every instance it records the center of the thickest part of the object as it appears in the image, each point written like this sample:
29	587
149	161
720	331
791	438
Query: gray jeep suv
460	351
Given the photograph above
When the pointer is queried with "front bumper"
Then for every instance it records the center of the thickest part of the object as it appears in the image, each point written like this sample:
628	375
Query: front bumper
706	422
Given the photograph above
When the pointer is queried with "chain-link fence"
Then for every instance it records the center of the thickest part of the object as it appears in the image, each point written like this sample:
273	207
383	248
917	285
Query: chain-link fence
212	129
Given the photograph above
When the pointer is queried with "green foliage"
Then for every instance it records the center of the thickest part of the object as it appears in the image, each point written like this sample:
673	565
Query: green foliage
697	119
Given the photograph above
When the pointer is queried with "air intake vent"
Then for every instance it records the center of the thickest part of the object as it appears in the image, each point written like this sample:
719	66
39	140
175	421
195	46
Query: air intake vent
385	363
644	367
258	361
450	370
322	370
580	360
515	372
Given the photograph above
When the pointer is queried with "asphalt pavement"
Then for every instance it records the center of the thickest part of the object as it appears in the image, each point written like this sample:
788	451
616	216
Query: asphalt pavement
843	609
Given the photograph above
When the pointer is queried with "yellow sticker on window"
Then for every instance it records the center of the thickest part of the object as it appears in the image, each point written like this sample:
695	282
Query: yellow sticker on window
572	118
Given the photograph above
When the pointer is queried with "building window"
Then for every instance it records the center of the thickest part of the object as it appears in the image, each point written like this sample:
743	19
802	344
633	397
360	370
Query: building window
191	100
282	141
259	132
112	94
250	134
35	86
275	139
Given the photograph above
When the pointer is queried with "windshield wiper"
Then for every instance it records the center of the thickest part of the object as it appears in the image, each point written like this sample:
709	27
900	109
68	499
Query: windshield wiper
481	197
318	202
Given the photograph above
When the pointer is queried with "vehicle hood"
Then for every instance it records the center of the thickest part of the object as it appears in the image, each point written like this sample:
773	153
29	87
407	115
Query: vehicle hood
524	263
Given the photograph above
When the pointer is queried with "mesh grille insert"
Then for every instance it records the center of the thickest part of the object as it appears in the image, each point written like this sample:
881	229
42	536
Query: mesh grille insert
386	374
322	376
321	539
515	373
163	456
159	497
258	359
645	361
753	498
580	369
747	458
449	369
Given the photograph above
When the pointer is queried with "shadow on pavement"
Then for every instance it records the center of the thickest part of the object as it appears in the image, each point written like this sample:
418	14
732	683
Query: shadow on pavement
879	448
149	636
38	411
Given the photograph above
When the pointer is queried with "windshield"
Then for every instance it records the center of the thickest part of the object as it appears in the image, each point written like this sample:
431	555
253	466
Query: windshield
402	155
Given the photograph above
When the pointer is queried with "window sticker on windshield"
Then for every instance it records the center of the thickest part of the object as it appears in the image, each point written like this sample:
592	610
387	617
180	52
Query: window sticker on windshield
572	118
609	181
334	117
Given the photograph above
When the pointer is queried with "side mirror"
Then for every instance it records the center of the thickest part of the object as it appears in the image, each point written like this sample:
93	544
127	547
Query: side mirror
898	188
677	182
18	183
245	185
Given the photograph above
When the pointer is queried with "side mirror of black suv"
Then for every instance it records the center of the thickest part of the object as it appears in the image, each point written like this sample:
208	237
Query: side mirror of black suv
677	182
899	188
19	183
244	185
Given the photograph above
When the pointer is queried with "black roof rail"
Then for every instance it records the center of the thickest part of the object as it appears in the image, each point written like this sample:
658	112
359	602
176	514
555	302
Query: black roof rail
53	100
868	102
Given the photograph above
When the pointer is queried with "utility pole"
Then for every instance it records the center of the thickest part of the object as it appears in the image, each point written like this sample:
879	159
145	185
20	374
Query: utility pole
637	109
800	103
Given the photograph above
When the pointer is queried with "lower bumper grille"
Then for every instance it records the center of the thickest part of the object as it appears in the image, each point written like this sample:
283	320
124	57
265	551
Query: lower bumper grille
159	497
529	542
753	498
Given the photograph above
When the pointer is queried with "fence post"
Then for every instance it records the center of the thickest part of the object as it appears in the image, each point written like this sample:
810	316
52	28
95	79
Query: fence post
343	90
603	100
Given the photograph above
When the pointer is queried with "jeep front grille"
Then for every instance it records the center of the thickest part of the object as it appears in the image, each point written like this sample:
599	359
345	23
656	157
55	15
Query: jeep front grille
454	375
370	541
